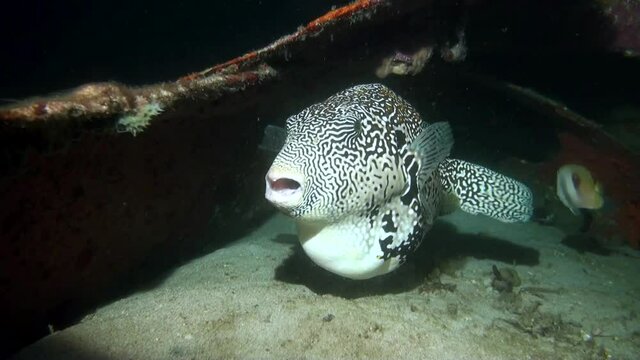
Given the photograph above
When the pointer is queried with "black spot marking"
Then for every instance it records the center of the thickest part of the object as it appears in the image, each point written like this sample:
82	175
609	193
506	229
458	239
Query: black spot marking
387	223
401	138
387	250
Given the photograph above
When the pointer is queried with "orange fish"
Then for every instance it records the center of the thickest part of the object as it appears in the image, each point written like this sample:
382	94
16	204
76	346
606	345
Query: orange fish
577	189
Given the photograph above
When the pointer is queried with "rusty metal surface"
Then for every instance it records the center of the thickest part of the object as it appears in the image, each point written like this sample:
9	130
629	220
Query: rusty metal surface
111	99
100	100
624	17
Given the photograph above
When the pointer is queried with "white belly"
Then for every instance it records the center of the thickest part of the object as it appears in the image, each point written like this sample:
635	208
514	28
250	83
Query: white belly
351	247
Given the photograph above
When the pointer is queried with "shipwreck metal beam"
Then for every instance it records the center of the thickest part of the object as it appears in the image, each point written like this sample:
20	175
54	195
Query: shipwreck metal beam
111	99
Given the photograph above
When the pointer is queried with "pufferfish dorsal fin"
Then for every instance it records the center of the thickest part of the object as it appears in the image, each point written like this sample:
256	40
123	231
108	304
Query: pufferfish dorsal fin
432	146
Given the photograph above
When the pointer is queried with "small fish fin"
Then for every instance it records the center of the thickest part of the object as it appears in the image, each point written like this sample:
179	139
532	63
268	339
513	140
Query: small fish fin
432	146
597	187
484	191
598	199
449	203
575	211
273	139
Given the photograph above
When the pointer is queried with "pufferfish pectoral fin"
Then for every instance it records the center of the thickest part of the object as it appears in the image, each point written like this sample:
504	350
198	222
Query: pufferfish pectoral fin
432	146
483	191
273	139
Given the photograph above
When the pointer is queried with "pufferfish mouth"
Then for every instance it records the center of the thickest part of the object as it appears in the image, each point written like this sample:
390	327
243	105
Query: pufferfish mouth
283	190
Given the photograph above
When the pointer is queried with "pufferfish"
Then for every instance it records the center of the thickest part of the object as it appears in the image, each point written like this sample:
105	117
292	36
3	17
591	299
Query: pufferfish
364	179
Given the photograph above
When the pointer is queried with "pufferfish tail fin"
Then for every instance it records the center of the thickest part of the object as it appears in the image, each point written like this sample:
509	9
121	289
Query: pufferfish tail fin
478	190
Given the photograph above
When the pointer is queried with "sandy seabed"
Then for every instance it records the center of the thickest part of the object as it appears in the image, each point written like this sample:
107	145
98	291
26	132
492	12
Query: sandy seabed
260	297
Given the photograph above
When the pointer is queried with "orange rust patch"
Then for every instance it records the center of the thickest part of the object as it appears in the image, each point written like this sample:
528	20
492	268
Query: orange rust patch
188	78
238	60
313	26
346	10
40	108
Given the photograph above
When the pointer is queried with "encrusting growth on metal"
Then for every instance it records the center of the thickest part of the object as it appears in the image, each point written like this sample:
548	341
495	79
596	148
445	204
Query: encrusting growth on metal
111	99
134	107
